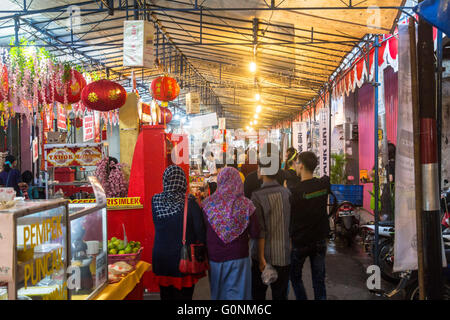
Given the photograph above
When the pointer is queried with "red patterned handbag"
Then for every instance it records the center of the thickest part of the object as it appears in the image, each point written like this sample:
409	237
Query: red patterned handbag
194	259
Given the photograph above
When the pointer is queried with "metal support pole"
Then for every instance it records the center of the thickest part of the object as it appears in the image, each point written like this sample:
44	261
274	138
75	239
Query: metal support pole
429	162
375	129
201	24
330	91
417	165
439	53
16	31
136	10
71	27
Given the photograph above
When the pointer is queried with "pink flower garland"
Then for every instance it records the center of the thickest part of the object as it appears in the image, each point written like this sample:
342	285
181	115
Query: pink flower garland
114	184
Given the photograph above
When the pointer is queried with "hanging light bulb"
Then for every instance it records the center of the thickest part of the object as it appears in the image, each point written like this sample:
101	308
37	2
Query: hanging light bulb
251	123
247	128
257	97
255	116
258	109
252	66
255	122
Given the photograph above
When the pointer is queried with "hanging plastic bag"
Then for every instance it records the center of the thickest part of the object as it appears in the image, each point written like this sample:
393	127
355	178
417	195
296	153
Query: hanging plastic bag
269	275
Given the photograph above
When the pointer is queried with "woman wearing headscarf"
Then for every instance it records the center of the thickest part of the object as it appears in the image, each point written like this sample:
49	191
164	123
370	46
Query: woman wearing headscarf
230	222
168	213
10	177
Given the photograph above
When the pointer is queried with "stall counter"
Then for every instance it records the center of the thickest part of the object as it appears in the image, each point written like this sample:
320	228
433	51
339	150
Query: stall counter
123	288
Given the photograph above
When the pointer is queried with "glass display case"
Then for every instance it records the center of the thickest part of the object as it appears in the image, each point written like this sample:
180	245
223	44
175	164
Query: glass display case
89	250
34	250
52	251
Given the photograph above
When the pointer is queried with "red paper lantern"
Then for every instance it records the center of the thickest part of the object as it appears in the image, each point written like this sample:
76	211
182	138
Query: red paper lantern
165	88
166	115
103	95
4	85
71	87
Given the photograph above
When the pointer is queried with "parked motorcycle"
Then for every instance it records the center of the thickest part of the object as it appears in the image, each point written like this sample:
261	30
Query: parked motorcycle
409	283
386	232
345	220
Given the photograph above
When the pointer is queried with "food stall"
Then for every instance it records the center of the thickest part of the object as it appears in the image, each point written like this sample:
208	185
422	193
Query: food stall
50	251
54	250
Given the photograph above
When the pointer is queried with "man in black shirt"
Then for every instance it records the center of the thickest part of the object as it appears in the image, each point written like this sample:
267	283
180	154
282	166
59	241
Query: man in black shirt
309	227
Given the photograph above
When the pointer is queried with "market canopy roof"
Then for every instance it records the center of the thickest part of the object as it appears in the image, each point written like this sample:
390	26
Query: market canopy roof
299	45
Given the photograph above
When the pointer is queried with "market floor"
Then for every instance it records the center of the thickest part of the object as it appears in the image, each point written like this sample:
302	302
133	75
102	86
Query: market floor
346	277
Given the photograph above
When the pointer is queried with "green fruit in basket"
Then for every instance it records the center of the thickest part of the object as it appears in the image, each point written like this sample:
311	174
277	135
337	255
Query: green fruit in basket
121	247
137	244
122	252
131	243
135	250
110	246
112	251
116	243
113	239
128	250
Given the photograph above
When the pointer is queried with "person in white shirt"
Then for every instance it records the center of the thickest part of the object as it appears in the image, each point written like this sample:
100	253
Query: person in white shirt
212	174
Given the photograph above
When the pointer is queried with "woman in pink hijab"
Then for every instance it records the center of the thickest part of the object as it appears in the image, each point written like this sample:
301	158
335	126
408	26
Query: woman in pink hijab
230	223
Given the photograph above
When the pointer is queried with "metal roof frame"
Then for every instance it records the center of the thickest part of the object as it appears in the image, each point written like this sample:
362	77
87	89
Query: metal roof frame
204	47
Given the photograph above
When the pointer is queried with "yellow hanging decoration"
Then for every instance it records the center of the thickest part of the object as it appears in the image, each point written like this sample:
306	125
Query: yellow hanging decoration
2	106
2	123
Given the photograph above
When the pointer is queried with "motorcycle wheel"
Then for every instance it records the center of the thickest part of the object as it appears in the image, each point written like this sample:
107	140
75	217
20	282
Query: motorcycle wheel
412	291
386	268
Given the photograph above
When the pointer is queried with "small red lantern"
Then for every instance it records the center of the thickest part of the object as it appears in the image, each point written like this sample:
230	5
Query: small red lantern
4	83
166	115
103	95
71	87
165	89
78	122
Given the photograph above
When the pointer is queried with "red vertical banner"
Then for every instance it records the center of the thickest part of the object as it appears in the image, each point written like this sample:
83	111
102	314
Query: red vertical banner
97	126
62	122
88	127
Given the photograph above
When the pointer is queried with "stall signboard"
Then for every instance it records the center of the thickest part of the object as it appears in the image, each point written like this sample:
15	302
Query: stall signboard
299	136
324	132
115	203
363	174
222	123
192	102
65	156
138	38
88	127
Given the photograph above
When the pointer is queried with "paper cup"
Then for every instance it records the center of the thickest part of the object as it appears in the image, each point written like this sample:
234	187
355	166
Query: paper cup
93	247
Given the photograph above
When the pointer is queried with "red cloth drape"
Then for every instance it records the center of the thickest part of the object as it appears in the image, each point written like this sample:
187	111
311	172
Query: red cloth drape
391	103
366	135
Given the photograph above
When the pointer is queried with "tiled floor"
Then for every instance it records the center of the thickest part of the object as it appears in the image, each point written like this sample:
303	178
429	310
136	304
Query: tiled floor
346	277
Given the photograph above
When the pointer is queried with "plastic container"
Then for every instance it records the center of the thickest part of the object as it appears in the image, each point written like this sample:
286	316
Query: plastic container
131	258
350	193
